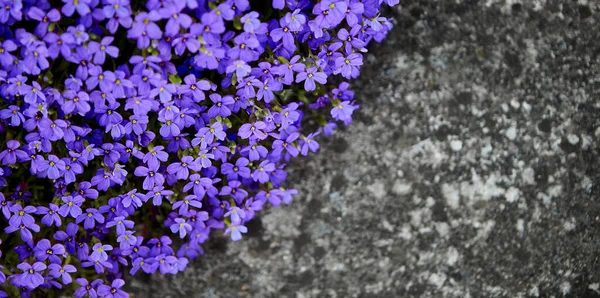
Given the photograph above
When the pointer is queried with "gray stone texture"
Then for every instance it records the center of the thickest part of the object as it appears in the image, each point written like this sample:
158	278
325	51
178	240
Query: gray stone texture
471	169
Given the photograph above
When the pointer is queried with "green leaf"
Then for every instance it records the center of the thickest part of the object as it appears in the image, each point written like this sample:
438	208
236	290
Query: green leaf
175	79
282	60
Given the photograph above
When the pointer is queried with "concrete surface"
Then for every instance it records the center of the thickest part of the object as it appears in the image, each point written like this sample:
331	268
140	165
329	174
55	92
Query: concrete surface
471	170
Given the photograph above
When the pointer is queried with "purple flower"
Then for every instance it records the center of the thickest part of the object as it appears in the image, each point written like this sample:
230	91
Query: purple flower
157	194
236	231
51	216
126	240
266	88
251	207
43	18
31	276
181	226
152	177
101	49
56	271
89	218
207	135
144	29
286	144
336	10
354	12
183	205
114	290
279	4
181	169
175	19
12	152
76	102
348	66
72	168
310	76
210	23
87	288
22	216
71	206
121	224
155	156
5	206
254	130
235	190
24	231
254	151
240	68
285	34
351	39
239	169
250	21
236	215
245	48
221	105
99	252
287	70
343	111
7	46
199	185
14	114
308	143
261	174
85	190
82	7
43	250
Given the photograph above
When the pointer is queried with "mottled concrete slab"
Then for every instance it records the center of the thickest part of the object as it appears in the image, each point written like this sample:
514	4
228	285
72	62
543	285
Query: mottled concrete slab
471	171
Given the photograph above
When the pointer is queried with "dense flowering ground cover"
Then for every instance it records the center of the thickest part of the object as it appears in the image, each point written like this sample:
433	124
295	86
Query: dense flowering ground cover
131	129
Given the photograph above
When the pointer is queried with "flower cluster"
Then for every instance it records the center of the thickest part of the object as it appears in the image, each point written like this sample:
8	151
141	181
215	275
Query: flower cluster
131	129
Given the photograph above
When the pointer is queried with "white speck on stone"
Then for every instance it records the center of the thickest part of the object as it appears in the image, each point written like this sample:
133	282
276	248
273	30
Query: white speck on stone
570	225
485	151
528	176
375	288
566	288
594	287
526	107
515	104
387	225
405	232
437	279
384	243
377	189
511	133
452	255
456	145
443	229
452	195
512	194
429	202
546	199
586	142
555	191
401	188
520	225
338	267
427	152
535	292
477	189
587	184
573	139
